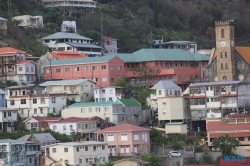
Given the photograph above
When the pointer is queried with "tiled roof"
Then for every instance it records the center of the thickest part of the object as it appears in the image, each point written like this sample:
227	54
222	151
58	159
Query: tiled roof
4	50
83	45
93	104
63	35
123	127
108	38
67	54
42	119
244	52
161	55
130	102
74	119
215	126
165	84
79	61
65	82
23	62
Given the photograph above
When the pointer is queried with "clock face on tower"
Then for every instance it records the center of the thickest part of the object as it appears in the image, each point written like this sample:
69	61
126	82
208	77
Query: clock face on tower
232	43
222	43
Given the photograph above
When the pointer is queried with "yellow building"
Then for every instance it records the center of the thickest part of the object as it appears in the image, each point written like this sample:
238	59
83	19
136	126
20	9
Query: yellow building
130	162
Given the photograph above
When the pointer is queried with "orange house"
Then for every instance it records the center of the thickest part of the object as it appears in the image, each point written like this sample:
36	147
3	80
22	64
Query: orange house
102	70
38	123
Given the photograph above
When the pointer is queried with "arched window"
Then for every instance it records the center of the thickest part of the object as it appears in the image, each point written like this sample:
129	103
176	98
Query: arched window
238	65
222	33
221	55
225	54
226	67
221	66
242	65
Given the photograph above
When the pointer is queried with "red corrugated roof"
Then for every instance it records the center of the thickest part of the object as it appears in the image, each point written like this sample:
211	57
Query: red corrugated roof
242	134
74	119
23	62
68	54
223	126
123	127
4	50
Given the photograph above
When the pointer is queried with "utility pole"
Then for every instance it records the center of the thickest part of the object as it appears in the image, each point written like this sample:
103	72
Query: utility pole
9	10
151	41
101	35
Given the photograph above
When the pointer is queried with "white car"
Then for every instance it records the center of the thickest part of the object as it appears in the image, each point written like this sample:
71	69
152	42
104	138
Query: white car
174	153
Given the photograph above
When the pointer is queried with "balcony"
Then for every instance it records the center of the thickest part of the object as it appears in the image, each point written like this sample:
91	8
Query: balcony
228	105
198	106
237	118
87	130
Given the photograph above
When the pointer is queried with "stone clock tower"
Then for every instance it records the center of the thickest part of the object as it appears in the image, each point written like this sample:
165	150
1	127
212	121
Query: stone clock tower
225	51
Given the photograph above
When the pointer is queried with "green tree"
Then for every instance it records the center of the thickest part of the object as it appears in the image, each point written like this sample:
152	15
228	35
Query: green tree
152	159
206	155
146	73
226	144
107	164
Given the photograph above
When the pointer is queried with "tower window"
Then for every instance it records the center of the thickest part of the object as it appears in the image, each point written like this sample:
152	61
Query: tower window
221	66
238	65
225	54
226	67
221	55
242	65
222	33
232	33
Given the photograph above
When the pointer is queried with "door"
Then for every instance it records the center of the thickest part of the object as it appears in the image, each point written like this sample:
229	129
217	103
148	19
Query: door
113	151
146	137
135	149
127	149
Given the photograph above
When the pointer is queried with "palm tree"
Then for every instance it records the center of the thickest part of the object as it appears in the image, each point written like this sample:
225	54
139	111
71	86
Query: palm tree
226	144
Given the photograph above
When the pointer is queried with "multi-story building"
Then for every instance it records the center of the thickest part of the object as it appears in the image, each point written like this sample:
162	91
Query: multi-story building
72	6
8	117
110	111
57	55
175	65
77	153
110	44
62	41
189	46
12	152
2	98
215	100
85	126
14	67
31	101
34	147
3	26
109	93
68	26
37	123
125	139
29	21
80	90
102	70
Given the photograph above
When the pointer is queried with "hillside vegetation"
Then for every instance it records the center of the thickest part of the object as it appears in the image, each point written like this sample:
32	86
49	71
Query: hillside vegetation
134	22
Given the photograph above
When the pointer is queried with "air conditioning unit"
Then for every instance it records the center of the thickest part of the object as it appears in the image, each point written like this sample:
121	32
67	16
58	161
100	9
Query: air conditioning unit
213	115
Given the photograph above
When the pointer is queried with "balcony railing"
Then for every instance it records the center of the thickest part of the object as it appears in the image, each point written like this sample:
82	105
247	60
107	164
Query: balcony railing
237	118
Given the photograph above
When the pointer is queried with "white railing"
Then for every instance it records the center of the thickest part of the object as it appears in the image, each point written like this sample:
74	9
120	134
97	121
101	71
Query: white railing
213	115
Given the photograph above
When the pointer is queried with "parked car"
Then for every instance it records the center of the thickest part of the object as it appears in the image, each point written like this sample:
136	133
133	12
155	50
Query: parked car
174	153
152	122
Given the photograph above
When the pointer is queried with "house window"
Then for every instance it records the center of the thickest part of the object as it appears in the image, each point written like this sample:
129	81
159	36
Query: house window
34	101
66	149
90	109
12	102
30	160
119	68
94	67
58	70
80	161
35	111
54	150
77	69
32	69
94	148
77	149
27	69
241	138
106	109
222	33
85	68
107	119
54	110
54	127
112	79
226	67
136	136
159	92
43	100
86	148
64	127
83	110
225	54
111	137
53	99
97	109
104	79
66	162
48	71
111	67
67	69
23	101
103	147
124	137
103	67
221	55
86	160
20	68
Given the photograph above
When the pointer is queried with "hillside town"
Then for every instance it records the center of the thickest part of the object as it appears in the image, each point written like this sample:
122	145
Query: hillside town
87	104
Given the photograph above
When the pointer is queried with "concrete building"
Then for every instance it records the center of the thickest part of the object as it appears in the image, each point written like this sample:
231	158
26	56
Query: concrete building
109	93
68	26
3	26
77	153
62	41
86	127
176	128
110	44
80	90
31	101
110	111
8	117
37	123
188	46
125	139
34	147
29	21
14	67
102	70
130	162
12	152
2	98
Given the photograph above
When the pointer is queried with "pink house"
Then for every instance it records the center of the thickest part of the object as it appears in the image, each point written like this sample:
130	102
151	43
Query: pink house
37	123
125	139
102	70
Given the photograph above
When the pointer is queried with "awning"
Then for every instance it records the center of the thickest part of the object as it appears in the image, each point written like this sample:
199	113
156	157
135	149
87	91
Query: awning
230	134
137	114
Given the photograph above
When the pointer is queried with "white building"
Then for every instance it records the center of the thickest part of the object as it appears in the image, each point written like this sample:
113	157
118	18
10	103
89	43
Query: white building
81	90
7	118
77	153
31	101
68	26
109	93
61	41
29	21
86	127
26	72
2	98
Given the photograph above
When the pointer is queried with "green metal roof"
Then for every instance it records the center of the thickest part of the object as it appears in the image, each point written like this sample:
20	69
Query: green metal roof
79	61
129	102
65	82
161	55
63	35
83	45
119	113
93	104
